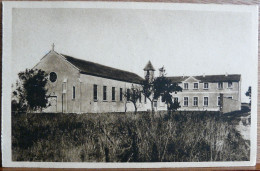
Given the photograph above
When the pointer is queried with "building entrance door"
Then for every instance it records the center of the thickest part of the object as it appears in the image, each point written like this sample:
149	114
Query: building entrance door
52	101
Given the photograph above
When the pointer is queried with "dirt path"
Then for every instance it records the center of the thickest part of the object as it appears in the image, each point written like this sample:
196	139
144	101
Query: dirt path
241	120
244	127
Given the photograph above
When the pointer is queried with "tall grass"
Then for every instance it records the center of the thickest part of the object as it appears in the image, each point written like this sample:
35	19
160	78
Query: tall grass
175	137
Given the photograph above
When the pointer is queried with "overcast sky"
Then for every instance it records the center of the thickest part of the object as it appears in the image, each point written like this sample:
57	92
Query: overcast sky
184	42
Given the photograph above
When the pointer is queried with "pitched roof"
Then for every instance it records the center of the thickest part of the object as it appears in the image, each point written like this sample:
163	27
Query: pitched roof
210	78
95	69
178	79
219	78
149	66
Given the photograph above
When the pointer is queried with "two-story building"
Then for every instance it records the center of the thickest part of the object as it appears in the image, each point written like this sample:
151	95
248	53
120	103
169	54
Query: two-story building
209	92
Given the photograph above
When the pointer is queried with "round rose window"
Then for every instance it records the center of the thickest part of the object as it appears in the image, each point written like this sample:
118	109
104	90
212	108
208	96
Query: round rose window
53	76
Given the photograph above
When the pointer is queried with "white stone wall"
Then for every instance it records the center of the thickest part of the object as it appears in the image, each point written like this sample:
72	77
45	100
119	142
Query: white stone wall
69	76
88	104
53	62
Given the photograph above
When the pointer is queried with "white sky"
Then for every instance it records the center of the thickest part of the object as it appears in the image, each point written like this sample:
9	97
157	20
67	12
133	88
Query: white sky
185	42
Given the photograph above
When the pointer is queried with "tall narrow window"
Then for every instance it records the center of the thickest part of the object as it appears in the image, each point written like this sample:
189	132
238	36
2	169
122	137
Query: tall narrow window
186	86
186	101
128	94
155	104
220	85
195	101
140	98
73	92
121	94
218	101
176	100
95	92
206	85
230	84
133	94
206	101
113	93
104	93
196	85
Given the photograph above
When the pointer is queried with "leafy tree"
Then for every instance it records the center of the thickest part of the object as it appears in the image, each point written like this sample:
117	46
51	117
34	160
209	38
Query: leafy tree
133	95
248	93
30	93
165	87
161	86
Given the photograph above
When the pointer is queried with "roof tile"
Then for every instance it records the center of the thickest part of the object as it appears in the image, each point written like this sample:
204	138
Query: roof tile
95	69
210	78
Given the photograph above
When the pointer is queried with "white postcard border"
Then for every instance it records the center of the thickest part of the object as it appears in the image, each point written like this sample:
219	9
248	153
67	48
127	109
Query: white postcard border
6	81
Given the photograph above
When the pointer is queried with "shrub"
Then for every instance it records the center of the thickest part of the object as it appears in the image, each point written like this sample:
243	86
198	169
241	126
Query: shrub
167	137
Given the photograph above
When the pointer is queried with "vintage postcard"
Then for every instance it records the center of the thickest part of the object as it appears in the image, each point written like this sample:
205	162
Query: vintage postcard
129	85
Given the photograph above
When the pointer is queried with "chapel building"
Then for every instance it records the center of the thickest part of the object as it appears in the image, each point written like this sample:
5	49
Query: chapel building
79	86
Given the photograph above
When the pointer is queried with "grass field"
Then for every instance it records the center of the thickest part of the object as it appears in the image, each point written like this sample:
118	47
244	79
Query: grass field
120	137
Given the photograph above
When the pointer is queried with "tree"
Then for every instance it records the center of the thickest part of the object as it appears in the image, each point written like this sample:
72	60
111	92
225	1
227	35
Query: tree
248	93
161	86
165	87
31	93
132	95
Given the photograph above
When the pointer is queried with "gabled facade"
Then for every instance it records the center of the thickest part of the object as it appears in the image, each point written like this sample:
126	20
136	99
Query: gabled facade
78	86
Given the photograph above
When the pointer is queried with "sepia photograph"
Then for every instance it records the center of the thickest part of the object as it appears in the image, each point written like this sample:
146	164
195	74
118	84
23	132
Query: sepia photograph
104	84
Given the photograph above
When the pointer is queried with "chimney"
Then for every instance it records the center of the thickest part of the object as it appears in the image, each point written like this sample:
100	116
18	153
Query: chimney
203	74
226	74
